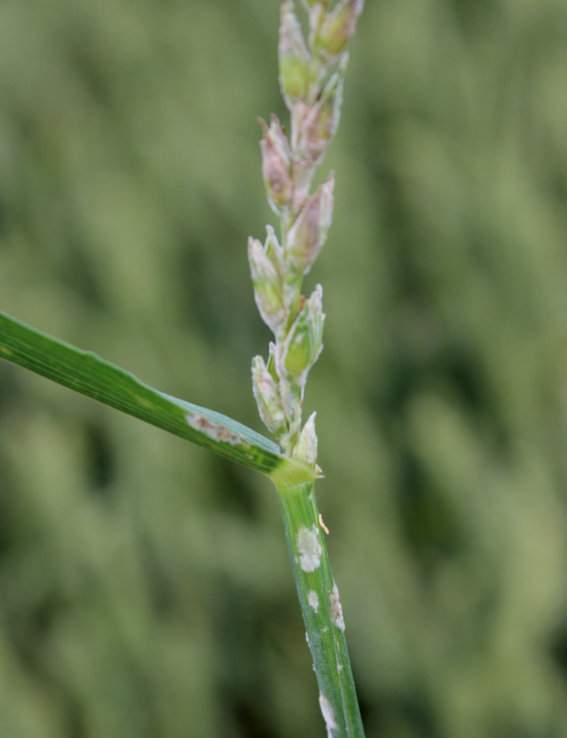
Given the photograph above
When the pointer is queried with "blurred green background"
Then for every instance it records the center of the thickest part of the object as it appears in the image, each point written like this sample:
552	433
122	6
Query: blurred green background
144	585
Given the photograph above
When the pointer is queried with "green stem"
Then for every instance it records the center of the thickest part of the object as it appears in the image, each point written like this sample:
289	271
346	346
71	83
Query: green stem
321	609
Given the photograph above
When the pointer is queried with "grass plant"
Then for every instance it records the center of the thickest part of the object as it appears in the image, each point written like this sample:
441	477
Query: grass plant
313	59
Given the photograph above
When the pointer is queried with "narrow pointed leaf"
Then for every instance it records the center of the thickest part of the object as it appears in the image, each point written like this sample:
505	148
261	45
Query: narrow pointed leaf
88	374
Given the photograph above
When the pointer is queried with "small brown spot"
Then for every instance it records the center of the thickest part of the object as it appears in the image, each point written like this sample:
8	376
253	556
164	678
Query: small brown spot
215	431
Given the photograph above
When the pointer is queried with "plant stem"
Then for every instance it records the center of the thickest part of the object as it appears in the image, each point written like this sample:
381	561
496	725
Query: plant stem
322	611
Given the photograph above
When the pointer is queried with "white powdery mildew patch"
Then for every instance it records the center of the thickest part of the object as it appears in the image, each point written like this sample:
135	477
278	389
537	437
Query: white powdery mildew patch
313	600
309	549
336	608
216	431
328	715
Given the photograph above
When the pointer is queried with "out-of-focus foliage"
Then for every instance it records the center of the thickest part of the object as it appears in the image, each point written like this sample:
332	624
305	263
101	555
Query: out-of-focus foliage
144	586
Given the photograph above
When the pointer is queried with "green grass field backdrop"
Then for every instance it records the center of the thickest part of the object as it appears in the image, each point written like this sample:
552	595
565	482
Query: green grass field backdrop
144	585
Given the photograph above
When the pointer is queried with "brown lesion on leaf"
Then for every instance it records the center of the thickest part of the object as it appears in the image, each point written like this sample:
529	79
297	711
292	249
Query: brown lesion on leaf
215	431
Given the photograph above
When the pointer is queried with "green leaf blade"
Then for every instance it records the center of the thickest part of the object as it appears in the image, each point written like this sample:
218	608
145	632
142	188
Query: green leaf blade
92	376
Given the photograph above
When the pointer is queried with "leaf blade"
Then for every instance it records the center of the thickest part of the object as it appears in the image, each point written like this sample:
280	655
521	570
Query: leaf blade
94	377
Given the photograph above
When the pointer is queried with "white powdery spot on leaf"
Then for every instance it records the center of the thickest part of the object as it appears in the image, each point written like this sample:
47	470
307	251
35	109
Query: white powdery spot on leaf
215	431
336	608
313	600
309	549
328	715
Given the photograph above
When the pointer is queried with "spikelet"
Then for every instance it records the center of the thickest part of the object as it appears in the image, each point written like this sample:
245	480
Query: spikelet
311	72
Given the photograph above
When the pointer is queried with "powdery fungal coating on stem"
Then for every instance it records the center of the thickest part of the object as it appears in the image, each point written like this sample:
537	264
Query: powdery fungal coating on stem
309	548
313	600
215	431
336	608
328	715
